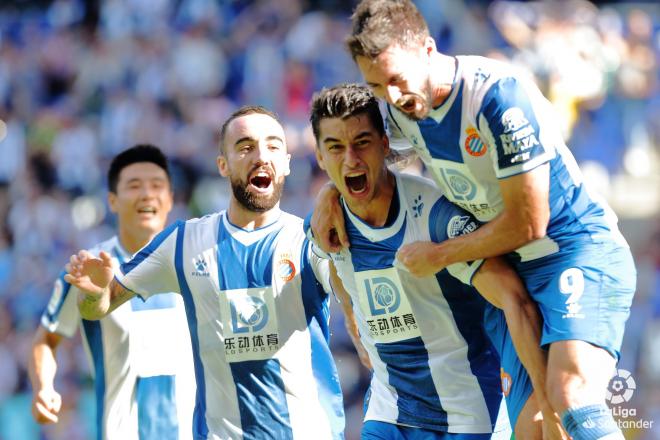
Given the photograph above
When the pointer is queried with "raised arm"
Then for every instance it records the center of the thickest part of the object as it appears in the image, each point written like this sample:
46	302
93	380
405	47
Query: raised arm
524	218
328	220
99	293
349	317
500	285
46	402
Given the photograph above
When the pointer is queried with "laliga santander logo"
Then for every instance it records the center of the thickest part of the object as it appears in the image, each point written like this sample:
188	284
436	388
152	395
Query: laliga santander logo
621	388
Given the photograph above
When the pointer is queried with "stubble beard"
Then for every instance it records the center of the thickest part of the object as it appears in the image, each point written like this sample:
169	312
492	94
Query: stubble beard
256	202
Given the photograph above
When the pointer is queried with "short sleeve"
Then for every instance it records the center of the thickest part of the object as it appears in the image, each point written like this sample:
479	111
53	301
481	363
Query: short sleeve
509	121
61	315
320	267
315	249
152	269
447	221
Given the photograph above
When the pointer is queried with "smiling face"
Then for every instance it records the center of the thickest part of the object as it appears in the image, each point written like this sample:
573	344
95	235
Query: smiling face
401	76
255	160
352	152
143	199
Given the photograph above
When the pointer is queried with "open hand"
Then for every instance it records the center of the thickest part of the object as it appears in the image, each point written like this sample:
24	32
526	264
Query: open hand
89	274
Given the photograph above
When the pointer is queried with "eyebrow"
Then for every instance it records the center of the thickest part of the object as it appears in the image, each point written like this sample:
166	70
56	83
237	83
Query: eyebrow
140	179
359	136
252	139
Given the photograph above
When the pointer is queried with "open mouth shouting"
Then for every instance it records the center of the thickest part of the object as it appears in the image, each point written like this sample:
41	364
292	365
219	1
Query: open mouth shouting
407	104
413	106
261	181
356	182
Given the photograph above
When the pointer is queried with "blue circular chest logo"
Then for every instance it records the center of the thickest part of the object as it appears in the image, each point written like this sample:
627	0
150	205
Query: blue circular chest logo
384	295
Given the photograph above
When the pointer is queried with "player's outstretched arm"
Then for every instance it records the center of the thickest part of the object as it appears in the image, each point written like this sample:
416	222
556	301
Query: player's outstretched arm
349	318
328	221
46	402
501	286
99	293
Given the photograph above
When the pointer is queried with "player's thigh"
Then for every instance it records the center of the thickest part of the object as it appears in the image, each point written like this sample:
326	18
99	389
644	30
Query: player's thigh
583	293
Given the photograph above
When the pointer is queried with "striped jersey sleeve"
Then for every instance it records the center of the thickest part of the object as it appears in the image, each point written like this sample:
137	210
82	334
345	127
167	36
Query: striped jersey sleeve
509	118
61	315
152	270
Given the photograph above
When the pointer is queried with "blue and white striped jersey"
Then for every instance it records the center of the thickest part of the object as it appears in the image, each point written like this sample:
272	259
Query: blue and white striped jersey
141	359
434	366
259	324
496	124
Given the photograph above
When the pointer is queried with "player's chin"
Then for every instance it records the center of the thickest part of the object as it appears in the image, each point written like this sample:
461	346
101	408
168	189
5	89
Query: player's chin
151	225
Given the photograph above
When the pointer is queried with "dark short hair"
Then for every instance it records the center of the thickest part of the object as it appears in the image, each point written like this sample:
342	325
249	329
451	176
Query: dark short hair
135	154
343	101
377	24
243	111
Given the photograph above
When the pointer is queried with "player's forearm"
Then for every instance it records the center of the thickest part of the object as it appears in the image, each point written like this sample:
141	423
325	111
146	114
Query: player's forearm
502	287
524	323
42	365
94	307
497	237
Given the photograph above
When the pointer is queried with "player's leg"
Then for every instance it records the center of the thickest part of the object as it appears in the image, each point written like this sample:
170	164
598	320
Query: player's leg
578	375
529	422
524	413
584	295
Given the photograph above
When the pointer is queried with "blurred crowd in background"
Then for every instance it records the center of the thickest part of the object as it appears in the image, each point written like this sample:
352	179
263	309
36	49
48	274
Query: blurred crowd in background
82	80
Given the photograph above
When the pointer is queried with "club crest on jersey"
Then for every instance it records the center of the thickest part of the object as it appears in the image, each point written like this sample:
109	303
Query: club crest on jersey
286	270
201	267
248	314
473	143
507	382
383	295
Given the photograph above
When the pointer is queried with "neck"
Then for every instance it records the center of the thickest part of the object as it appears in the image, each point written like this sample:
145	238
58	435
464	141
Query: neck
242	217
376	211
132	241
443	71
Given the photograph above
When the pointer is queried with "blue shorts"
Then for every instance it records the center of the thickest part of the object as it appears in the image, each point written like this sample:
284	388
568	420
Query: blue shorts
375	430
516	384
584	293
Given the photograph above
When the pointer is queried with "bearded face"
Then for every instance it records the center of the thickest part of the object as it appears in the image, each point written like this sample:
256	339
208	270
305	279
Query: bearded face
255	160
260	192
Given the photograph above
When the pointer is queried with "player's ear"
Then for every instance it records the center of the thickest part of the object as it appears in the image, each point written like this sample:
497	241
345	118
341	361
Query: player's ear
429	46
112	201
223	167
386	144
287	168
